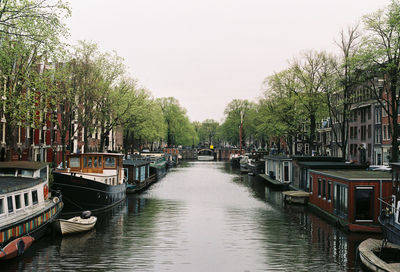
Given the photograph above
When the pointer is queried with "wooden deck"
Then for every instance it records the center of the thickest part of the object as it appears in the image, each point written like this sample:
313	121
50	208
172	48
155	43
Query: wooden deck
372	261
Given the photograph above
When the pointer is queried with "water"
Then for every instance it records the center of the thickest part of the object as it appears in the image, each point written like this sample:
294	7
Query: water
201	217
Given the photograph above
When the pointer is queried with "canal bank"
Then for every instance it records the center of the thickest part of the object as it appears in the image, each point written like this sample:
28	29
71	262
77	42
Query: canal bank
201	216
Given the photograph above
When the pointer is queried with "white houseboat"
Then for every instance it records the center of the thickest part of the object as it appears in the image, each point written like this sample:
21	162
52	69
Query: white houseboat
26	205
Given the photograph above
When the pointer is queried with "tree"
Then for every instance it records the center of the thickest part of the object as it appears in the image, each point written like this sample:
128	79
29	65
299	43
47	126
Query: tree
235	117
379	64
312	72
280	110
208	130
179	129
340	90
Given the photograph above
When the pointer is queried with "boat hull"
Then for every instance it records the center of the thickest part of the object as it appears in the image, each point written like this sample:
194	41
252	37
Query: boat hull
75	225
81	194
389	229
205	158
36	225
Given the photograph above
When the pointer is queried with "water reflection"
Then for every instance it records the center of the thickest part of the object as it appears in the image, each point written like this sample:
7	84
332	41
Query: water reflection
201	216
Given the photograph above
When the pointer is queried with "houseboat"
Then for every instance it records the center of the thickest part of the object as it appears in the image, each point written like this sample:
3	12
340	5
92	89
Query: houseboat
350	196
278	171
92	181
158	163
137	174
27	208
205	155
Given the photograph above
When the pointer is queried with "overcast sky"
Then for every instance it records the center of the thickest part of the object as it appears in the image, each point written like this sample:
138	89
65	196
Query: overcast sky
207	53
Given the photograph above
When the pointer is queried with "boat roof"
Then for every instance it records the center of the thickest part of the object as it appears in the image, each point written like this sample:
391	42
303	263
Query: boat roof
97	153
12	184
31	165
135	162
356	174
330	165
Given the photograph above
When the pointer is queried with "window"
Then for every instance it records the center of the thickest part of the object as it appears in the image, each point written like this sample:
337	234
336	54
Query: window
1	205
34	197
43	173
340	200
285	171
89	164
378	135
74	162
109	162
363	132
369	131
364	204
18	204
10	204
95	162
126	173
26	199
324	188
99	162
319	187
329	190
311	184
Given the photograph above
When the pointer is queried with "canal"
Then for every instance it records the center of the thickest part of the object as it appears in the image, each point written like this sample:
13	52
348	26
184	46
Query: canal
202	216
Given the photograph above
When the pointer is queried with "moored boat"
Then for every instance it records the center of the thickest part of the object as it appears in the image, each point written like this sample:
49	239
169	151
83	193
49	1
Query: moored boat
372	255
137	174
92	181
26	206
205	155
82	223
390	212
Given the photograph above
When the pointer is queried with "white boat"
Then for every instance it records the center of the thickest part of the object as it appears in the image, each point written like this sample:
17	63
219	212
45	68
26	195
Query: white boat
205	155
76	224
370	255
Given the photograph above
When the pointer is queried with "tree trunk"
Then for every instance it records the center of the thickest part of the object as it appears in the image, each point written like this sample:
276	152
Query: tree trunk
312	133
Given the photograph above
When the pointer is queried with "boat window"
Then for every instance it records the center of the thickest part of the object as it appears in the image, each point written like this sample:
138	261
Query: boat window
89	162
34	197
18	202
99	162
329	189
109	162
74	162
319	187
10	204
1	205
84	162
43	173
95	162
26	199
7	172
126	173
25	173
324	188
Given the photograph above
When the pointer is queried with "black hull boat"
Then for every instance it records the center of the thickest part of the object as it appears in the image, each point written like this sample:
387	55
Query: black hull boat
92	181
84	194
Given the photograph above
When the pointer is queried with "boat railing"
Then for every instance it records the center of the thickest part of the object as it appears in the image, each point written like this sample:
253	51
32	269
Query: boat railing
389	208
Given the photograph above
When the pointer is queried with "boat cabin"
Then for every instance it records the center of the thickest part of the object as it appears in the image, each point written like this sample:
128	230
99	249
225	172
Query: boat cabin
136	170
23	185
350	196
102	167
279	168
25	201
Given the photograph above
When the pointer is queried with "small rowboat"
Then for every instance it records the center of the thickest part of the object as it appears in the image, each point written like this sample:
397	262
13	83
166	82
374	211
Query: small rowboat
82	223
16	247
